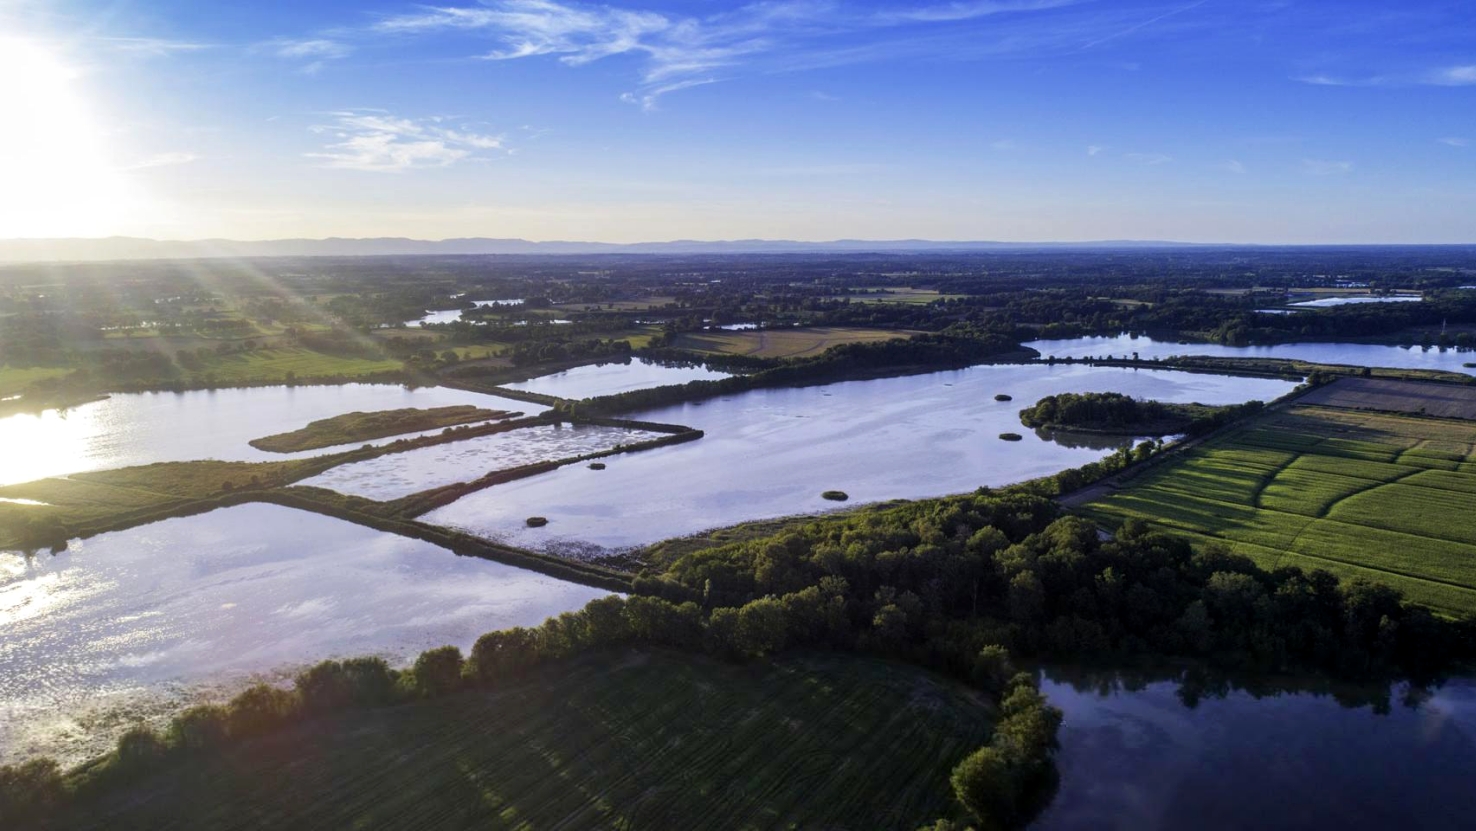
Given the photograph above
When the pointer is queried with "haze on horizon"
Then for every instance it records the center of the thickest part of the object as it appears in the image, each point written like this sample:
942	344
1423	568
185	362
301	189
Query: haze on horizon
1017	120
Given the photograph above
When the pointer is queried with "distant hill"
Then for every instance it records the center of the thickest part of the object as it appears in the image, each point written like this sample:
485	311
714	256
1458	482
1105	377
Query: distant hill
135	248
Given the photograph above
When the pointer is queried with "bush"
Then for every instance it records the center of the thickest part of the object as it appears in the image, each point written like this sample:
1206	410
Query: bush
437	671
985	784
258	709
324	687
139	749
370	681
500	655
199	728
30	791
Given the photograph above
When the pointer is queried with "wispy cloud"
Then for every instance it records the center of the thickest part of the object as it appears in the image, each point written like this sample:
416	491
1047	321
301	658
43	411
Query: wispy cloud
1003	145
313	52
163	160
1454	141
382	143
680	52
1234	166
1454	76
152	47
1094	149
1326	167
1449	76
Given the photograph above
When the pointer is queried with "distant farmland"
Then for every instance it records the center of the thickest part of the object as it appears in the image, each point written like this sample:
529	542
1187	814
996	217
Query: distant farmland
782	343
615	740
1388	497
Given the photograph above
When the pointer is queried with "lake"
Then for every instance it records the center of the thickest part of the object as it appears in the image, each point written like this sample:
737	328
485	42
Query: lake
1142	761
400	474
594	380
142	428
1331	302
1360	354
150	617
771	452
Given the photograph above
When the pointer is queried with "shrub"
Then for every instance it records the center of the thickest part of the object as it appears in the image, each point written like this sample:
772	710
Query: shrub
324	687
199	728
139	749
30	791
437	671
258	709
370	681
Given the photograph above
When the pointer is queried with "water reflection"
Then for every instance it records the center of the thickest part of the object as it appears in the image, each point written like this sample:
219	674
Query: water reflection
772	452
1198	750
142	428
125	618
593	380
1357	354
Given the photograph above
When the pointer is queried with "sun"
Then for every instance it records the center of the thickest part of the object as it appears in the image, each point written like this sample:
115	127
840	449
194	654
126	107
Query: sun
56	175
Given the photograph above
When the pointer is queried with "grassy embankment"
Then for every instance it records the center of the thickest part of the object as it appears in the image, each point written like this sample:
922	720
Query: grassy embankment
15	379
781	343
609	740
359	426
1360	494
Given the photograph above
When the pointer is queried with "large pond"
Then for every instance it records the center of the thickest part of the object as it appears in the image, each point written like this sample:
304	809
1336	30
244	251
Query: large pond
594	380
1331	302
772	452
150	617
401	474
142	428
1358	354
1143	761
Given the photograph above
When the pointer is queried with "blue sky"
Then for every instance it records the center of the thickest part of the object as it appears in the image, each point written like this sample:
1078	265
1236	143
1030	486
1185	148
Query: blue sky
1297	122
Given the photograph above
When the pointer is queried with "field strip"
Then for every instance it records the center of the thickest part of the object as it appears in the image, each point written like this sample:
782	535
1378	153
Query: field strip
1404	574
1373	487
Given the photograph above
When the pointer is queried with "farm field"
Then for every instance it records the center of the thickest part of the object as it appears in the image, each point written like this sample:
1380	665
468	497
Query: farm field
1387	395
14	379
613	740
782	343
1382	496
889	294
274	364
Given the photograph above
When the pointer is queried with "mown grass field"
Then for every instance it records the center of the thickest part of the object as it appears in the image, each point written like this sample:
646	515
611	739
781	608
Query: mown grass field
14	379
909	296
104	495
782	343
614	740
274	364
1388	497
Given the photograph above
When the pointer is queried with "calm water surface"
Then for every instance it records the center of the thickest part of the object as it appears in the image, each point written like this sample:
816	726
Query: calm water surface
771	452
211	600
401	474
142	428
592	380
1142	761
1329	302
1359	354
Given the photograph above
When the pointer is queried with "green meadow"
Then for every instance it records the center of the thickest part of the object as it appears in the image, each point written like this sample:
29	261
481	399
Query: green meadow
1387	497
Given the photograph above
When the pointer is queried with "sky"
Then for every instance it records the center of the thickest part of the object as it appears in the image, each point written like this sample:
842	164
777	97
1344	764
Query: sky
1338	121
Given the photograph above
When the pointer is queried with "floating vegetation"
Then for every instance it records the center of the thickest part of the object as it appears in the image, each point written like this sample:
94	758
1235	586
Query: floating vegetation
537	521
835	496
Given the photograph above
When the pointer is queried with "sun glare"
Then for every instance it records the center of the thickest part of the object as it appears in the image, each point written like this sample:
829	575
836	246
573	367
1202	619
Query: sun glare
56	178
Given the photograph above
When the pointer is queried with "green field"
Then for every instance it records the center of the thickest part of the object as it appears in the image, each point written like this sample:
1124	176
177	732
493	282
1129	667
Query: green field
14	380
274	364
611	740
883	294
782	343
1359	494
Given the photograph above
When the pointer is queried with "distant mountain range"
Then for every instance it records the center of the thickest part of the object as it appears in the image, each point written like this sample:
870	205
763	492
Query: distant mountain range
134	248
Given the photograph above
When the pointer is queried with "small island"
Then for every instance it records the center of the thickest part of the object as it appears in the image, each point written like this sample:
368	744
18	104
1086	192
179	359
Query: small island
1010	437
835	496
1118	414
596	465
1004	397
351	428
536	521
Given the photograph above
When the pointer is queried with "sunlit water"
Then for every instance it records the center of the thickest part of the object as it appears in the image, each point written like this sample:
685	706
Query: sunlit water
129	618
1142	761
1329	302
593	380
401	474
142	428
772	452
1357	354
